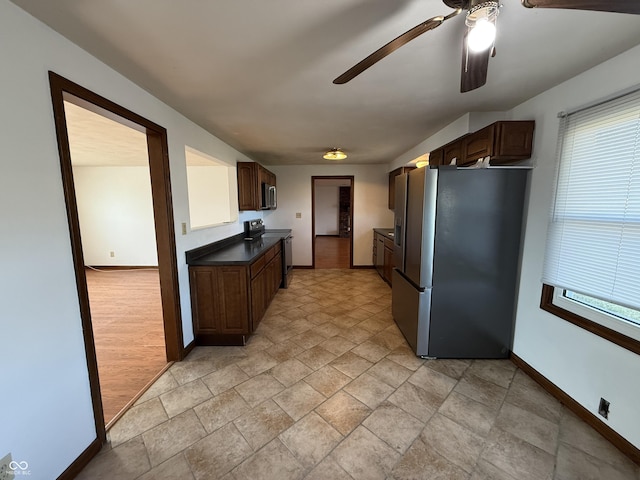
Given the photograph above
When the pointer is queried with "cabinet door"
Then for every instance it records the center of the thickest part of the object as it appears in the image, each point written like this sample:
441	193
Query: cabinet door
258	298
451	151
248	193
204	290
513	141
392	187
276	278
388	264
219	299
436	157
380	254
233	295
478	145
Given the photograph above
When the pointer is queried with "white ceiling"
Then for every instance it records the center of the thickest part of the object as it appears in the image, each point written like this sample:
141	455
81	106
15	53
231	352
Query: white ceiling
96	141
258	74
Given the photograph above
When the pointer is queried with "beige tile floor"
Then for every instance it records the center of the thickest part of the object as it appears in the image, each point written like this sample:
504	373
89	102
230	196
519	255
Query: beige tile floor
328	389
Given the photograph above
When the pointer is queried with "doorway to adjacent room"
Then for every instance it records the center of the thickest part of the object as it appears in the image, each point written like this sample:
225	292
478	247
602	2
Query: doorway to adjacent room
332	221
130	316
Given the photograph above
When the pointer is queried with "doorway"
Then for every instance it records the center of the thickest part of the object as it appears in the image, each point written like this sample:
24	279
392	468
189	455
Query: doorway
112	186
332	221
67	96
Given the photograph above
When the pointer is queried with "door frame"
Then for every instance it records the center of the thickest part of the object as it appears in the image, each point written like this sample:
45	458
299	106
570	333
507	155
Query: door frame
158	151
313	214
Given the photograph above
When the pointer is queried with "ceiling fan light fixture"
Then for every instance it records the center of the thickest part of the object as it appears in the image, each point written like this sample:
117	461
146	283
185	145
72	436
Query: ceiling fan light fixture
334	154
481	21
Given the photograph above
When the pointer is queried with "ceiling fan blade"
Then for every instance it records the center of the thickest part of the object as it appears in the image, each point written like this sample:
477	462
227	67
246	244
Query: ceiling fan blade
474	67
617	6
392	46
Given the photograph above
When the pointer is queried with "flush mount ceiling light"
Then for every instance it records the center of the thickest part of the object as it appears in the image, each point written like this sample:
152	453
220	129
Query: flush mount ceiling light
335	154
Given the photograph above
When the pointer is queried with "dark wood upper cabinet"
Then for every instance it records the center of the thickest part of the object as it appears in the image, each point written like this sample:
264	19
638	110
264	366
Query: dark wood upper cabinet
452	150
436	157
248	194
251	176
504	142
513	140
392	184
478	145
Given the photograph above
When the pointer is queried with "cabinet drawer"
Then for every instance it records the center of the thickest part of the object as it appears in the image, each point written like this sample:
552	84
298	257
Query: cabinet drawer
388	243
258	265
270	254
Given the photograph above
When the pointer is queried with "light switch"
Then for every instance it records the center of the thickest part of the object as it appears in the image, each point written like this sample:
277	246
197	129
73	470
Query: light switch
298	215
184	228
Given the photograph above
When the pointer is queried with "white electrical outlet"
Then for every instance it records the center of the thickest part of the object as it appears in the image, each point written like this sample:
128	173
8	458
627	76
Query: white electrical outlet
5	472
112	254
298	215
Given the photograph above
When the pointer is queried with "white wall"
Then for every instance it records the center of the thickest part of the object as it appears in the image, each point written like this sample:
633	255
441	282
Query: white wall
327	210
583	365
452	131
45	388
294	195
116	215
208	195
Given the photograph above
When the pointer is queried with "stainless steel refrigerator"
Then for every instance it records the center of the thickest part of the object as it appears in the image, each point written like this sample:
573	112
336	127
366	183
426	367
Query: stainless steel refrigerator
457	253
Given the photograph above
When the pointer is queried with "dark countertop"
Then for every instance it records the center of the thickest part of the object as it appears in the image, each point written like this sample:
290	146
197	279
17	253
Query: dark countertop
384	231
280	233
234	250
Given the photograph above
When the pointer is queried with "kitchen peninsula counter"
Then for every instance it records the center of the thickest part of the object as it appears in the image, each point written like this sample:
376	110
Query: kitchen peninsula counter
234	250
232	284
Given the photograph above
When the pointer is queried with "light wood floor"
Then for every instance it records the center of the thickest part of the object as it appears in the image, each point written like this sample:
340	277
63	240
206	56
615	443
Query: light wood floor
126	314
332	252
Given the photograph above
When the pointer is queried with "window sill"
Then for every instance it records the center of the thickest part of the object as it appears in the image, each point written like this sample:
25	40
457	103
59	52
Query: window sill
546	303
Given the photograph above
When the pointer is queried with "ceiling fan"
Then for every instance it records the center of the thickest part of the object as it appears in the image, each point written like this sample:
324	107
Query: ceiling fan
478	40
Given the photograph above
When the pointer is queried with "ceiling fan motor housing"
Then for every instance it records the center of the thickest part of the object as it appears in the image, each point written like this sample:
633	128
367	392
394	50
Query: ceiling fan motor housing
462	4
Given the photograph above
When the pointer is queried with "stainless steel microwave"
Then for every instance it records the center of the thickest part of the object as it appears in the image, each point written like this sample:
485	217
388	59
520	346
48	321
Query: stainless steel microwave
268	196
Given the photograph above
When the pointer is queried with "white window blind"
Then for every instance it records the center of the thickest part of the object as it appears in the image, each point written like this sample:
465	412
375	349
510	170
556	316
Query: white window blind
593	244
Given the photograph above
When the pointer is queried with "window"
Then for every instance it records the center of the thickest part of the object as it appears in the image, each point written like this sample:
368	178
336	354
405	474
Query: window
592	260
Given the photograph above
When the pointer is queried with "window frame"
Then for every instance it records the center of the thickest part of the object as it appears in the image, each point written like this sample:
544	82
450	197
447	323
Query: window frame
614	336
552	299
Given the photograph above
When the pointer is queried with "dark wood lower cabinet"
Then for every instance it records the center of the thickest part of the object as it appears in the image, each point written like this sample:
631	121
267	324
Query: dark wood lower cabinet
228	301
388	263
264	286
383	256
